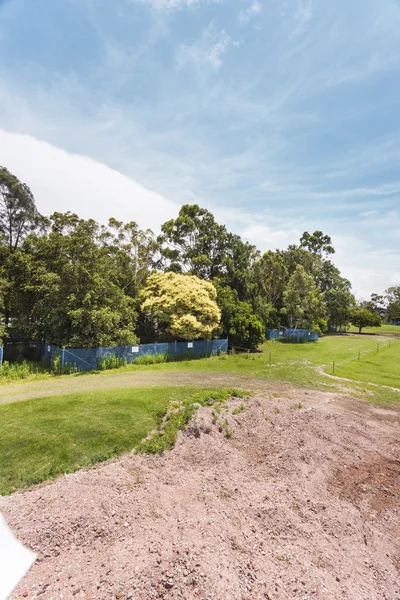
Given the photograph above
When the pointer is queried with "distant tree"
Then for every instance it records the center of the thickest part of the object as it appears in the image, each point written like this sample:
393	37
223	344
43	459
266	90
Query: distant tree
180	307
303	301
392	297
18	213
362	317
240	324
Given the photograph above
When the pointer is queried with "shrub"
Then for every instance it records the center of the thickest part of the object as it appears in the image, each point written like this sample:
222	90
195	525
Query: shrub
111	362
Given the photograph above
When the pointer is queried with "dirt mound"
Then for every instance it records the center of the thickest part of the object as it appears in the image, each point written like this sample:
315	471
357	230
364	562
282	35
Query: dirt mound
281	497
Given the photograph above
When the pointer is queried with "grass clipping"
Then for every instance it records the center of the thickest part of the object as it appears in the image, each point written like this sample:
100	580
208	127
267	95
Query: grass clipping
178	416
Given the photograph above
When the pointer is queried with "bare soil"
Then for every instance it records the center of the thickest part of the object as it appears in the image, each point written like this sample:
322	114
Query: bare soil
301	502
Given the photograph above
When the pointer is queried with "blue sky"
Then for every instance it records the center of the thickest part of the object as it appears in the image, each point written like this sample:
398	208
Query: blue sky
278	115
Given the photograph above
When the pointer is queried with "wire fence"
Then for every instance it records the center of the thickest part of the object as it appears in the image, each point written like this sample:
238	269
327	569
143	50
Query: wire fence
375	349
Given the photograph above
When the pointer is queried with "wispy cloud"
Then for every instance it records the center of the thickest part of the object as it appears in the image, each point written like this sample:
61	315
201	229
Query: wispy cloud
255	8
175	4
208	51
303	14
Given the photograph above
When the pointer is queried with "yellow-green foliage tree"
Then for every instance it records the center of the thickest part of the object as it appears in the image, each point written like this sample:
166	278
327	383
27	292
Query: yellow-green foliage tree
180	307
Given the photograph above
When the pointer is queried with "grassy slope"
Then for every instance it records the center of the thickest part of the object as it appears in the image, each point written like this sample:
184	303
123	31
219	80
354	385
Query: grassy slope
43	438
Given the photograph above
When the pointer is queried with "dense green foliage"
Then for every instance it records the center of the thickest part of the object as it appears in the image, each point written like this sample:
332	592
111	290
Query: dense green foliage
76	283
362	317
180	307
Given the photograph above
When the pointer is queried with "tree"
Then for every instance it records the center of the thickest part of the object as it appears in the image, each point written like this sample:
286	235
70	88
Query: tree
239	323
193	243
392	296
272	276
362	317
339	303
180	307
18	214
317	243
73	284
302	301
2	328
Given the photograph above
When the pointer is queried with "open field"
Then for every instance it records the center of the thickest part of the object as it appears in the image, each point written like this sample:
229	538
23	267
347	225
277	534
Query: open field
306	365
385	329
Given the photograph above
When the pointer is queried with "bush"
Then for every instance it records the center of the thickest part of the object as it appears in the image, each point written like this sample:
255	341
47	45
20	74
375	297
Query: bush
151	359
111	362
21	370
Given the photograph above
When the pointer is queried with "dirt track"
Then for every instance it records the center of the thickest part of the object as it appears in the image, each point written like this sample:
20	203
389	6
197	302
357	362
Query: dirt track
298	503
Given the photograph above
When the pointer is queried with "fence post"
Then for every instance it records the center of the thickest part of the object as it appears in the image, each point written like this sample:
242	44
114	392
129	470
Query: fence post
1	357
63	357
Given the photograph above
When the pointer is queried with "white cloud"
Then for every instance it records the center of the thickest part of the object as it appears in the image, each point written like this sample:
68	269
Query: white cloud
175	4
207	51
254	9
69	182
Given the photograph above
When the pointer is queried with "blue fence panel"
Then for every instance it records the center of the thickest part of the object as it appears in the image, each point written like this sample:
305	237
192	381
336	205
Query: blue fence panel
1	356
394	322
87	359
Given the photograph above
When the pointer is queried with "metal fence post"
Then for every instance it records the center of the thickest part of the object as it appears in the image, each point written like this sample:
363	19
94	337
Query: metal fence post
63	357
1	357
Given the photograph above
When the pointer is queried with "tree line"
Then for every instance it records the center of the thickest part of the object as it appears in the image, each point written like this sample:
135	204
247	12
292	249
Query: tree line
74	282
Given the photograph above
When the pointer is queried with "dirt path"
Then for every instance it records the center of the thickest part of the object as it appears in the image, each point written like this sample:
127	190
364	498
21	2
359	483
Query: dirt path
300	503
68	385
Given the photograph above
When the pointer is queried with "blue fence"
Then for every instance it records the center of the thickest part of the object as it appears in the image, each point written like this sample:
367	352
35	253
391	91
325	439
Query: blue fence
88	359
292	335
394	322
1	356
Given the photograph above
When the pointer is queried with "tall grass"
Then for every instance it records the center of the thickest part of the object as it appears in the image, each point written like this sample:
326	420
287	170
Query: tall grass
22	370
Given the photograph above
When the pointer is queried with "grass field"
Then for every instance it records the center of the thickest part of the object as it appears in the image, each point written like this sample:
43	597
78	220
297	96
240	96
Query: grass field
385	329
297	363
43	438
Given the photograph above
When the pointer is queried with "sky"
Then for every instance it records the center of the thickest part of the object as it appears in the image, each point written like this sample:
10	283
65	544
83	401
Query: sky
279	116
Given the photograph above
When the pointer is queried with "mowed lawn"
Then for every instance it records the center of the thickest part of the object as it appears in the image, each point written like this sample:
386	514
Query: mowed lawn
43	438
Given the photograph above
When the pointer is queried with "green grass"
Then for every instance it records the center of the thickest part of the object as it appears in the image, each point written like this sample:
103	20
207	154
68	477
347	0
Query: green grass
43	438
385	329
298	364
382	368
